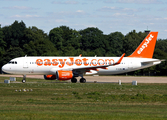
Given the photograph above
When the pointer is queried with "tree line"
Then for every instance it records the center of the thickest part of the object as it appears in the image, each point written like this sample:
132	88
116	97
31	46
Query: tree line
17	40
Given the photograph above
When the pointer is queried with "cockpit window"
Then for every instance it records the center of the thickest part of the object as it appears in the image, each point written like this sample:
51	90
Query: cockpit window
12	62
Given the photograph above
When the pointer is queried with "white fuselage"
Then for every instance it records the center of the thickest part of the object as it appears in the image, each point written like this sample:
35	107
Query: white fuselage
49	65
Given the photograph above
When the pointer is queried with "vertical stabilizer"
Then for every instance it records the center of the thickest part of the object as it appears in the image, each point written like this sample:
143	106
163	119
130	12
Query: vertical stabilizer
146	48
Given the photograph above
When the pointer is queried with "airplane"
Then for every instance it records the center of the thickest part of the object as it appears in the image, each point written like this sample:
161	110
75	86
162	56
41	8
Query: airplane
66	68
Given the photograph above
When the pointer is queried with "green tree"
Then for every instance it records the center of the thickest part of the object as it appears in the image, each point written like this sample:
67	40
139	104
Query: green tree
14	34
115	41
2	46
56	37
75	39
92	38
132	41
161	69
33	37
11	53
30	49
2	42
65	40
45	48
162	45
33	34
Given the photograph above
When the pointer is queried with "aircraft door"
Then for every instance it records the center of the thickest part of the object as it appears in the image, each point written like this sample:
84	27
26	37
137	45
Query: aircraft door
25	62
130	65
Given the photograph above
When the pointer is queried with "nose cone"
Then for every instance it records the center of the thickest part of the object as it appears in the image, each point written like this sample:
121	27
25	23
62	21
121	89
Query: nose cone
4	69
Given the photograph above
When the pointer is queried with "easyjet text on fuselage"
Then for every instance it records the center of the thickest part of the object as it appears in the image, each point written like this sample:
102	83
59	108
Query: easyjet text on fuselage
73	61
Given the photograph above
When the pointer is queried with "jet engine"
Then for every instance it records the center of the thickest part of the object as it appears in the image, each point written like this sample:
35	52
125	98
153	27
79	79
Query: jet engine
64	75
50	77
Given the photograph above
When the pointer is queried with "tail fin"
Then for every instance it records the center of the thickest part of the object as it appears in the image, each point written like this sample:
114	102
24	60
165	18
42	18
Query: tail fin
146	48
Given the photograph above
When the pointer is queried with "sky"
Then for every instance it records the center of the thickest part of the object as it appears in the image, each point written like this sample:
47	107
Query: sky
107	15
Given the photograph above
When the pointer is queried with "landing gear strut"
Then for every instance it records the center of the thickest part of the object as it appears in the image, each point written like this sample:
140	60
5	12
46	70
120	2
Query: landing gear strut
24	79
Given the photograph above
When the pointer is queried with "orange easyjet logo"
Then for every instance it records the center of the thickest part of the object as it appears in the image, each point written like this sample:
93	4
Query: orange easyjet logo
145	44
72	61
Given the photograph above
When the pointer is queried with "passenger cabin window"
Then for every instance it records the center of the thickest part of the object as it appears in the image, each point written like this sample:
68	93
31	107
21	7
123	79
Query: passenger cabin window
12	62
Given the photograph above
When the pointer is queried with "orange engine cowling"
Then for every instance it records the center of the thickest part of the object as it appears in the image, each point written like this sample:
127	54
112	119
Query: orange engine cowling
64	75
50	77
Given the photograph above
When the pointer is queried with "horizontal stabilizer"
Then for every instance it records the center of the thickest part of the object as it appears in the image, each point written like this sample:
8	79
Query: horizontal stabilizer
91	72
152	62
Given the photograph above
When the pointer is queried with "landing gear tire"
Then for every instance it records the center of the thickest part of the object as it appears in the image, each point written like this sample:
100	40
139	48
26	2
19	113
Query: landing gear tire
23	81
82	80
73	80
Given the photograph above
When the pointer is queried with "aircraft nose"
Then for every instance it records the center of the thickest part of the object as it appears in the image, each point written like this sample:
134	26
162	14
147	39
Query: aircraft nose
4	69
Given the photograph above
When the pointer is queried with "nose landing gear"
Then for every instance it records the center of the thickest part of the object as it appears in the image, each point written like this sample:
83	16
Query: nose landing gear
24	79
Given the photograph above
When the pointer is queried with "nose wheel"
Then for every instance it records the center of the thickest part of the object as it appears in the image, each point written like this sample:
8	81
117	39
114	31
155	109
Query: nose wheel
24	79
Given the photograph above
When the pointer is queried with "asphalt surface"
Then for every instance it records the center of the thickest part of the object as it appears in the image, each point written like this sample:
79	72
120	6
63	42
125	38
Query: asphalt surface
108	79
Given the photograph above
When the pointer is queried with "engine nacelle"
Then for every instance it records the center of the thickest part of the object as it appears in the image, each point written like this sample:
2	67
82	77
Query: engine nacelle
50	77
64	75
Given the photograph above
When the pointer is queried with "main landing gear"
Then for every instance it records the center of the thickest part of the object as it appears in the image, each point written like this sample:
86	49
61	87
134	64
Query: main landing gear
74	80
24	79
82	80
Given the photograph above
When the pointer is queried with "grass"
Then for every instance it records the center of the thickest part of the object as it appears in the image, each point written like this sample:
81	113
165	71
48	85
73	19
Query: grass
61	100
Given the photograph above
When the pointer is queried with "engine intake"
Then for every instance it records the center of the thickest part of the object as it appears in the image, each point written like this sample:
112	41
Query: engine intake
50	77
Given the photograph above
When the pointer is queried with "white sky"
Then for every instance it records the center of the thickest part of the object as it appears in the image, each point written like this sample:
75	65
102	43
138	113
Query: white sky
107	15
